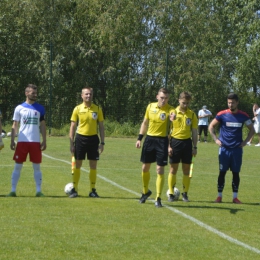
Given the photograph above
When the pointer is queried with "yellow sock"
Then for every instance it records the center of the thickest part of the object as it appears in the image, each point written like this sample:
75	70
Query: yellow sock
146	180
171	182
186	183
75	178
159	185
92	178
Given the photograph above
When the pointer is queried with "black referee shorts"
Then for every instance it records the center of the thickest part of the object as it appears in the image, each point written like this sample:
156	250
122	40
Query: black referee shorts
155	149
86	145
181	151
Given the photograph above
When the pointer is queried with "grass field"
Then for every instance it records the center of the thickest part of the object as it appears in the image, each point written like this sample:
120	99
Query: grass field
116	226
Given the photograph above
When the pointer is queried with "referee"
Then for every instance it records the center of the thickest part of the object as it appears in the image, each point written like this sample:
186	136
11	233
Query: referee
85	120
183	144
156	124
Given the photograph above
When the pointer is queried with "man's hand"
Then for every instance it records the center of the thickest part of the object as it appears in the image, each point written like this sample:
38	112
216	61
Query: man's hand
13	145
172	116
169	151
138	144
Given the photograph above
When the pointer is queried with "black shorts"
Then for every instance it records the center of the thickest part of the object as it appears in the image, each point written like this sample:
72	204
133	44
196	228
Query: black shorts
86	145
204	128
155	149
181	151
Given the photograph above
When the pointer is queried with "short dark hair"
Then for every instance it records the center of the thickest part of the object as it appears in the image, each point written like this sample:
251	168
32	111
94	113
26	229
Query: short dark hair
232	96
185	95
164	91
30	86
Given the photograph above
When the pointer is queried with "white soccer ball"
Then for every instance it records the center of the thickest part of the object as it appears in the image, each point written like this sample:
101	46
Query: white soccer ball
176	193
68	188
3	134
9	134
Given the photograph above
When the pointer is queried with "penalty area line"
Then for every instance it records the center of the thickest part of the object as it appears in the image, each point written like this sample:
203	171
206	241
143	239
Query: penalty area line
192	219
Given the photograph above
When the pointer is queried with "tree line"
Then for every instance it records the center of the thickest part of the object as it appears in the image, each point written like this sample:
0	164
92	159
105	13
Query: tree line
126	50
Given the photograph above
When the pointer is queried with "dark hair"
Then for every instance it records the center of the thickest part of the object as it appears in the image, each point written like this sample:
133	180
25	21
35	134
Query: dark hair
185	95
30	86
164	91
232	96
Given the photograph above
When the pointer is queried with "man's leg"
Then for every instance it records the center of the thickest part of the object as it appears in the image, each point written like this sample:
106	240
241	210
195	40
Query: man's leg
145	180
38	178
185	181
221	185
205	133
93	178
75	179
15	178
159	181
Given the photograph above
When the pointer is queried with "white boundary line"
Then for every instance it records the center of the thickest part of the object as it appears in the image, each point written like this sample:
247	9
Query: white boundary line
194	220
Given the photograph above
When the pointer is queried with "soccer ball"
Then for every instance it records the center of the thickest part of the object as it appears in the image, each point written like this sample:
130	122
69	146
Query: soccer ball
176	193
68	188
9	134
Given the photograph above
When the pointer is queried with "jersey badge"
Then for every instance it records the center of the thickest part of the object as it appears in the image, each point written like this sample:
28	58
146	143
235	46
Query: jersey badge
163	116
188	121
94	115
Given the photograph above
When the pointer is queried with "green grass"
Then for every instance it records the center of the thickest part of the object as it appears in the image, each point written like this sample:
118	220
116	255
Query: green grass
116	226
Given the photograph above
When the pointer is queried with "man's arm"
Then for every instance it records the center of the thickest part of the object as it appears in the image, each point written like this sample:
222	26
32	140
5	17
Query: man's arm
212	132
142	132
73	126
102	135
194	135
13	134
250	134
43	132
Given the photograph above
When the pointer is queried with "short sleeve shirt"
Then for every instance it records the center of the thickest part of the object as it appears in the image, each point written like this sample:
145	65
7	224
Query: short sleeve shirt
29	116
159	122
231	126
87	119
204	120
183	124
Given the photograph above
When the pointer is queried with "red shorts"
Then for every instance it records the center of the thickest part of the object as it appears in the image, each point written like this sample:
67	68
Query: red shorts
24	148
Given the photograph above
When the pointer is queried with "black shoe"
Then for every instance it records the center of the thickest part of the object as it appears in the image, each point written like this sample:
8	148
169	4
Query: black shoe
171	198
145	196
185	197
158	203
93	194
73	194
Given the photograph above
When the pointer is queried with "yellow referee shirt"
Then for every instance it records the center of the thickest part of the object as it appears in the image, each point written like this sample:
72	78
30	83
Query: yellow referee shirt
184	122
87	118
159	122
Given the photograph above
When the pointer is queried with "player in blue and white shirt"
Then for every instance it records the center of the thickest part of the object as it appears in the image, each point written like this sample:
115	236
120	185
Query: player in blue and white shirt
230	142
30	116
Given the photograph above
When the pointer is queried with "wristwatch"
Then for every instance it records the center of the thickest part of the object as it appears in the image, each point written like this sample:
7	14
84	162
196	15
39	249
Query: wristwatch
102	143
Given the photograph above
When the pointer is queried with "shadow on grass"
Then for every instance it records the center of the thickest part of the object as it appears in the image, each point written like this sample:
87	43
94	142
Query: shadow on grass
216	206
66	197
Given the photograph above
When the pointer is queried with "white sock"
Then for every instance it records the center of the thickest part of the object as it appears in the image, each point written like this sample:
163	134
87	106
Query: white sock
16	175
37	176
220	194
234	195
